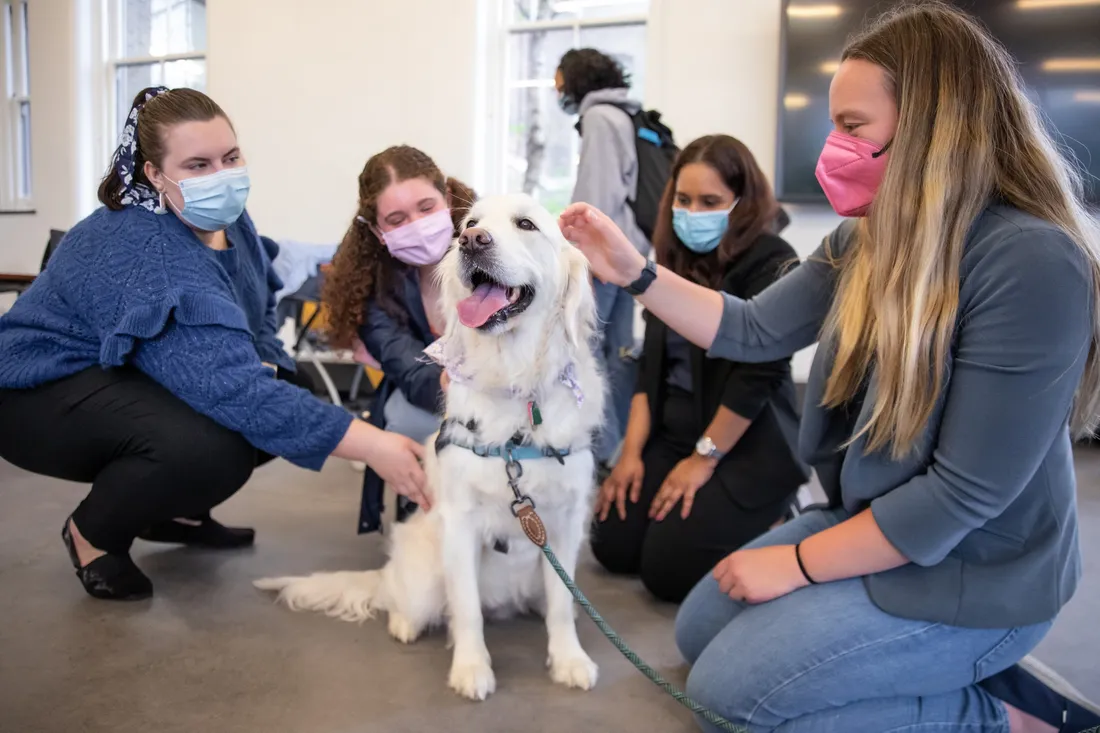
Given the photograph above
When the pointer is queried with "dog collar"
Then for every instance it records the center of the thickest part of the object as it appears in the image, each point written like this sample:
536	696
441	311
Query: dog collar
512	450
436	352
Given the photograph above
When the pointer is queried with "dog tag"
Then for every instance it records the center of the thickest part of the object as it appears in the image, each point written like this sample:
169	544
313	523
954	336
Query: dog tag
533	414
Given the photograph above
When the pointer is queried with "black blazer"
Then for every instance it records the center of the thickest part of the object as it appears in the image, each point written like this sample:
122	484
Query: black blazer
763	466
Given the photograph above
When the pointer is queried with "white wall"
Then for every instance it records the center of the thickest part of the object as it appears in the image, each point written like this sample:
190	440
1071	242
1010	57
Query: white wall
315	89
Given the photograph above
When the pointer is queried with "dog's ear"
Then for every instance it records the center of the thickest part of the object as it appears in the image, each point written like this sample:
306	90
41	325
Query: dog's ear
578	302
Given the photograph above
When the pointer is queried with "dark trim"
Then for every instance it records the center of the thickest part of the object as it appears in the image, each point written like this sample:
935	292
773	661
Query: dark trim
16	212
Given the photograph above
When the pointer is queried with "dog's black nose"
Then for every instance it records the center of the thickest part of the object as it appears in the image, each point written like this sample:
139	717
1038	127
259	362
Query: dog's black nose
475	239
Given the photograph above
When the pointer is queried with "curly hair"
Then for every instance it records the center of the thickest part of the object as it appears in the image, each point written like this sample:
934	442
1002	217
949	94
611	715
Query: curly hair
585	70
363	270
756	211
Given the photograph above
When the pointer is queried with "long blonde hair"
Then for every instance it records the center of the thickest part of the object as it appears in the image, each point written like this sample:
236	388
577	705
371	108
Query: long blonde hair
967	133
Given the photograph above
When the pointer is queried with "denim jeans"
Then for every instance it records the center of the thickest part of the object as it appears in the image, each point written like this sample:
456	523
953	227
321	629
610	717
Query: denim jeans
615	309
407	419
825	659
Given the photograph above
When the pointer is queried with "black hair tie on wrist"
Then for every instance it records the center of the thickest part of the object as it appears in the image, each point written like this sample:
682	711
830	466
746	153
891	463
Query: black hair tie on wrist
801	566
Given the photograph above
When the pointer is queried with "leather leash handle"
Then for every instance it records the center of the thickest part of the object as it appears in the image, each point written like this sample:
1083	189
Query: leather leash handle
532	525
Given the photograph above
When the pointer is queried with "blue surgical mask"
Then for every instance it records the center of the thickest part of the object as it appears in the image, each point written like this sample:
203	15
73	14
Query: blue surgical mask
213	202
568	105
700	231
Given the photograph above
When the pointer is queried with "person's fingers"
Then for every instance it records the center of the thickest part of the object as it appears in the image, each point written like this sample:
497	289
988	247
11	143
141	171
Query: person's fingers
417	449
726	582
620	500
602	508
669	503
636	487
688	500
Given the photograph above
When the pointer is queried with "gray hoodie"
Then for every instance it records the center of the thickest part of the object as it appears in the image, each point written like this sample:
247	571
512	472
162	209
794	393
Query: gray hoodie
607	176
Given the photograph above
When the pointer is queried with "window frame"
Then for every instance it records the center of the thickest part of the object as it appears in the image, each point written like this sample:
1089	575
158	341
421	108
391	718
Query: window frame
497	91
114	11
16	153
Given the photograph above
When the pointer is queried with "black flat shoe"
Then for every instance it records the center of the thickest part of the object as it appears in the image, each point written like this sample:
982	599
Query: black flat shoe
207	533
110	577
1039	691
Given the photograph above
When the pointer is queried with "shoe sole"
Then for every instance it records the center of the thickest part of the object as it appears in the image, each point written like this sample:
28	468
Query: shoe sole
1056	682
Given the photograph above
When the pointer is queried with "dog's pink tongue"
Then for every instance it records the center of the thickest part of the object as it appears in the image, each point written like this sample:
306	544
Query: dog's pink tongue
474	311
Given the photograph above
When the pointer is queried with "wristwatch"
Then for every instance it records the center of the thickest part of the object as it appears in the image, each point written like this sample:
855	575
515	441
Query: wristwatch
707	449
649	274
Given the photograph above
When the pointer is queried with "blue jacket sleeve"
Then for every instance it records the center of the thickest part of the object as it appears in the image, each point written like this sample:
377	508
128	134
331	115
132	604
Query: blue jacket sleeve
1019	355
401	355
788	315
215	370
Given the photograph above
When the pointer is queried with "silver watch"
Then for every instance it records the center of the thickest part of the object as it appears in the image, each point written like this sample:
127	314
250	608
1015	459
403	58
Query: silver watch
707	449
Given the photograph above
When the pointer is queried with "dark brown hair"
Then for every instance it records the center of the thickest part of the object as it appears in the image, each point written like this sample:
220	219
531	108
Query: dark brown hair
756	211
585	70
158	114
363	269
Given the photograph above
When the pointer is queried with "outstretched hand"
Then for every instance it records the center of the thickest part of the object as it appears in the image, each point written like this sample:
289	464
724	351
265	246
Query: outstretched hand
610	254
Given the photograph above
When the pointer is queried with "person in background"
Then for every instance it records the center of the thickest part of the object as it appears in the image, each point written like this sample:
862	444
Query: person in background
708	462
594	85
382	289
958	318
144	360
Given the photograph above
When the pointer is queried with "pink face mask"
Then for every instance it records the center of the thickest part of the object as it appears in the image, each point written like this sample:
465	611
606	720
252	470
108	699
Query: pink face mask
850	170
421	242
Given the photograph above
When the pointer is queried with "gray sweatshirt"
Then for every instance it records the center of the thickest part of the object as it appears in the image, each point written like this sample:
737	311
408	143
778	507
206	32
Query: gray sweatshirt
607	176
985	506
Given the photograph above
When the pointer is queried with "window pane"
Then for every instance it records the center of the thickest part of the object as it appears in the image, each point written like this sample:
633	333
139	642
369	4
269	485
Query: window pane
9	61
540	151
25	56
159	27
190	73
25	150
542	143
128	82
520	11
626	44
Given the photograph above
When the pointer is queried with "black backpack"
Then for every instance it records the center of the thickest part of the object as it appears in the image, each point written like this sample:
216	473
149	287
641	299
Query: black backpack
656	151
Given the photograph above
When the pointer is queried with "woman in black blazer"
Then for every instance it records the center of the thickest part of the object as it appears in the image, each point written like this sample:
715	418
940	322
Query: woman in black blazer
708	462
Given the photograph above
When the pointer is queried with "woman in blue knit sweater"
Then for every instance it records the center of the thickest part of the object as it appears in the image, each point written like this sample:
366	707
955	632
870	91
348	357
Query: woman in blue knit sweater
144	359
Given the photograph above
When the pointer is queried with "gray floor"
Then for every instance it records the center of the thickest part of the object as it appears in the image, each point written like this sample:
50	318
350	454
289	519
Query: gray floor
211	653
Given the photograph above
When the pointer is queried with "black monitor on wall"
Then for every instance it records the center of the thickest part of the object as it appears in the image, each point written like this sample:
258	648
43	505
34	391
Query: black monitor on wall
1055	42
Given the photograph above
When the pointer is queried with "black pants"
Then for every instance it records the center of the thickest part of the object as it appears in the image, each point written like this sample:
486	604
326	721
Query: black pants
672	555
148	456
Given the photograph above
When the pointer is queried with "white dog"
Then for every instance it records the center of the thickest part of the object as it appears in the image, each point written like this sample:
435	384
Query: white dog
520	316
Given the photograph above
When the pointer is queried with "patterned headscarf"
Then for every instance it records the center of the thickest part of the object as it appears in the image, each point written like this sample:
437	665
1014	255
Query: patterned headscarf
134	194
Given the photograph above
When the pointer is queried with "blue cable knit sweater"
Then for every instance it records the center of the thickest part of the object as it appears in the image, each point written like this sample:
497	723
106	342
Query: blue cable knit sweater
132	287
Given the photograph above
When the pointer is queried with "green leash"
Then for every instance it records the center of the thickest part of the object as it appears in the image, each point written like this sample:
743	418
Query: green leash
654	676
523	509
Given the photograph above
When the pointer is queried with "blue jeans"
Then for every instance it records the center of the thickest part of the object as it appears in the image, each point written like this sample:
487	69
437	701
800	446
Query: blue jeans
825	659
615	309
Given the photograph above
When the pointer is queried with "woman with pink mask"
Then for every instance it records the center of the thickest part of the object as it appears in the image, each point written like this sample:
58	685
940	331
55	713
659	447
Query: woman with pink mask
382	292
957	315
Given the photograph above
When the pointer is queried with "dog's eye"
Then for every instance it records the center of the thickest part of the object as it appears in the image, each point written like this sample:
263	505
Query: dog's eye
526	225
471	223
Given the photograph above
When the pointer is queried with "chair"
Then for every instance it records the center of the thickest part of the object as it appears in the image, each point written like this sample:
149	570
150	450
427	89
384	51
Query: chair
18	283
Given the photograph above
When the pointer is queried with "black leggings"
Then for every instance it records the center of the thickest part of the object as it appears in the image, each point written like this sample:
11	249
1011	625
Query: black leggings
672	555
148	456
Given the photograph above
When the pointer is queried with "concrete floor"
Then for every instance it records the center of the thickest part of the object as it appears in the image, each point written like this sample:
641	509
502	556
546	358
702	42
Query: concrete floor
211	653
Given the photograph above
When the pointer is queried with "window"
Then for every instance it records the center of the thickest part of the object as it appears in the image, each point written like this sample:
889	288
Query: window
539	147
155	42
15	123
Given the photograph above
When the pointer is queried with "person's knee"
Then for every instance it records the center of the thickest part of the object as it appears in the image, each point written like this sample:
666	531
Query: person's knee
665	580
209	461
710	688
612	551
